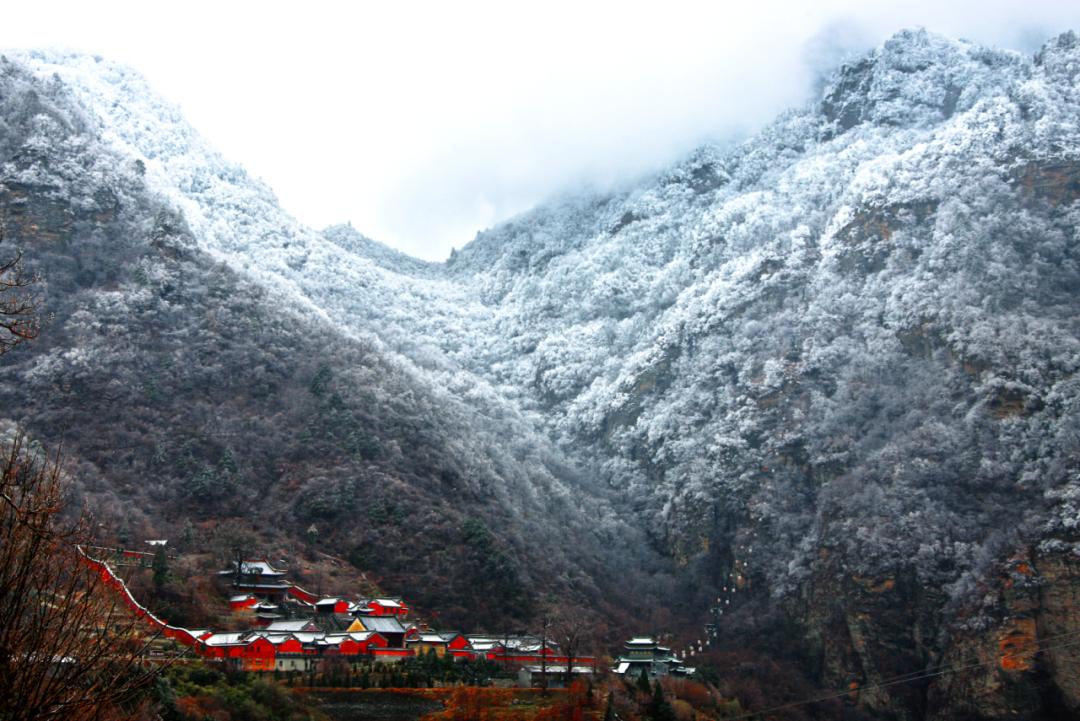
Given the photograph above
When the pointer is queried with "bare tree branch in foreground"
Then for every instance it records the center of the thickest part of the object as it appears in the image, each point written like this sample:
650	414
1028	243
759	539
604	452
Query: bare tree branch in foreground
69	648
19	319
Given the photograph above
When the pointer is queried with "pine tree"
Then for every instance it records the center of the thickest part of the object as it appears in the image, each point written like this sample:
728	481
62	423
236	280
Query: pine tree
643	684
160	568
659	709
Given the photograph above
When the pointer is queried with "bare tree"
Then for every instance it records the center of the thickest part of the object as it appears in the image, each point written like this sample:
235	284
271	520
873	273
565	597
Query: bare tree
19	319
572	630
69	647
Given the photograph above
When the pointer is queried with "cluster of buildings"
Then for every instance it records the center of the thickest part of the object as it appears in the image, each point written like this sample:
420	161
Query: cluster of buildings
293	630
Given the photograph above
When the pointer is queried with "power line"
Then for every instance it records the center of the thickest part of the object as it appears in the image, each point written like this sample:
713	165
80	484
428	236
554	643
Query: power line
909	677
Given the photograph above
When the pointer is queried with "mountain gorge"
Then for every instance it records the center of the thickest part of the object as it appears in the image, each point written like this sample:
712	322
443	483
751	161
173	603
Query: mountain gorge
187	391
832	367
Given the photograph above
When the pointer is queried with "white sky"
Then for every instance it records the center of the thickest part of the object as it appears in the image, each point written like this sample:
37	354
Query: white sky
422	123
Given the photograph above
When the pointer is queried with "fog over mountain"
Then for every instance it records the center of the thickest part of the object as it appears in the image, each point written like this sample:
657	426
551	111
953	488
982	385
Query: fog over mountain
422	123
832	367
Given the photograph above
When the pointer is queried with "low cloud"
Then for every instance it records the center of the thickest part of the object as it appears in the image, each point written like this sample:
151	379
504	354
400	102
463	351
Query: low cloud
422	124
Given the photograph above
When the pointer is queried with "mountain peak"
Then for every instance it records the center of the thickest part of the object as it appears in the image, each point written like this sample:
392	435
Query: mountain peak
1060	57
916	78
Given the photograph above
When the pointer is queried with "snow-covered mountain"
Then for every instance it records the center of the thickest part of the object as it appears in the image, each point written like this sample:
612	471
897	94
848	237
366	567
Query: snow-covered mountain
837	361
190	370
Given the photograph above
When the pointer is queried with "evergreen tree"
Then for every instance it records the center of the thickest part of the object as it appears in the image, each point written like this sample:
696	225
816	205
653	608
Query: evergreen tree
643	684
609	710
658	708
160	568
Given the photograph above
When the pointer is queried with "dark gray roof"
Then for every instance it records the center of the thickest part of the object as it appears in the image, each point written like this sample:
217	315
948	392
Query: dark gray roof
382	624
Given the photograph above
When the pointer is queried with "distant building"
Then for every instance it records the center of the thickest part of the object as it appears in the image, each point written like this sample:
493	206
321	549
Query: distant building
338	606
383	607
257	577
425	642
244	651
389	627
253	570
243	602
645	654
551	676
302	625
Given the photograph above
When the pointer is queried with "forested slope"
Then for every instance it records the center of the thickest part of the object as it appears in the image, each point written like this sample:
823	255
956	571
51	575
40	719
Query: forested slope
185	391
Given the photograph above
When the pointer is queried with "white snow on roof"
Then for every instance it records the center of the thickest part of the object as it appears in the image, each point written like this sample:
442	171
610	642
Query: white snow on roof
253	568
238	599
641	640
386	602
290	626
226	639
432	638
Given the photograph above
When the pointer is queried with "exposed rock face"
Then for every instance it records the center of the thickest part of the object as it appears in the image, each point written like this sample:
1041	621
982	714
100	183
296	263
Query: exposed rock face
882	639
1025	661
1055	183
1058	624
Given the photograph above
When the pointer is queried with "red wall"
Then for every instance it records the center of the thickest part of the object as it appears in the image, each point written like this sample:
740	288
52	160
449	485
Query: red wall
392	652
377	609
290	646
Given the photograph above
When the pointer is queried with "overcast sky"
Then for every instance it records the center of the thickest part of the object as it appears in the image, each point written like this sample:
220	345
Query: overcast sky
424	123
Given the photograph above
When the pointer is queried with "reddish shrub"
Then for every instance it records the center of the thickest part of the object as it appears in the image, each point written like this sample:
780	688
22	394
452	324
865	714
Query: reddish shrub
198	708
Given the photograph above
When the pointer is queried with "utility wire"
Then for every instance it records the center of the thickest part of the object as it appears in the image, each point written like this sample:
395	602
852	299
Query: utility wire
907	678
915	675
